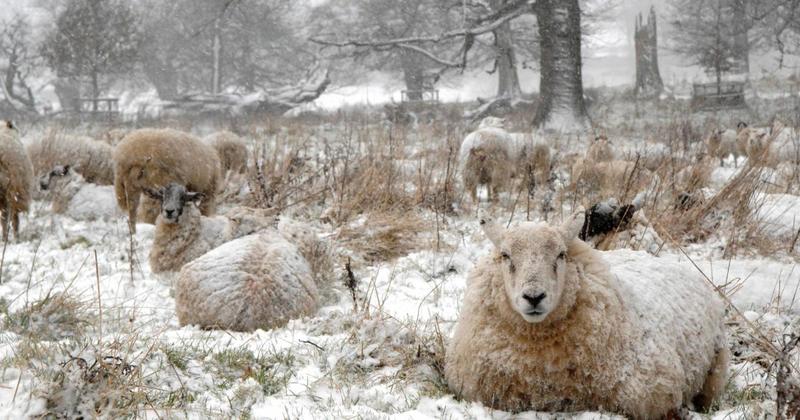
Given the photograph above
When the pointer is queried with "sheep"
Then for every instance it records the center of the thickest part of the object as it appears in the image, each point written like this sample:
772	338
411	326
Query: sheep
484	159
609	225
76	198
259	281
90	158
486	165
152	158
770	149
183	234
600	150
611	175
114	136
232	151
16	179
533	158
547	324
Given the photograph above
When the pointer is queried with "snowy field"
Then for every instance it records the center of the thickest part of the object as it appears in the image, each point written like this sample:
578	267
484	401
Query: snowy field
87	328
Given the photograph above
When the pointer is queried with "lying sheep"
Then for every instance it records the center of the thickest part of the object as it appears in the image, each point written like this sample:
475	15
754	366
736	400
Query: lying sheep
90	158
609	225
16	179
232	151
546	324
183	234
152	158
73	196
259	281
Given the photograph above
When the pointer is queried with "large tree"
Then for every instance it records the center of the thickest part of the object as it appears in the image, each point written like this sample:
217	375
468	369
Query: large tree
93	41
559	27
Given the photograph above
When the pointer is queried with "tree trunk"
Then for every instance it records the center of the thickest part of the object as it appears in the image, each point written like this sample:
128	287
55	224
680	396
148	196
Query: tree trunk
507	77
163	77
741	42
648	77
561	105
216	57
413	74
95	89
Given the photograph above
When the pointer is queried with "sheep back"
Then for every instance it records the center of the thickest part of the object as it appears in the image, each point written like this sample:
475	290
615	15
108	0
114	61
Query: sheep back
232	150
152	158
90	158
255	282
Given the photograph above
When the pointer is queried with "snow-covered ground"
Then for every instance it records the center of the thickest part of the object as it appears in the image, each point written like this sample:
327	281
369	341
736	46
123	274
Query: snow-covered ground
377	357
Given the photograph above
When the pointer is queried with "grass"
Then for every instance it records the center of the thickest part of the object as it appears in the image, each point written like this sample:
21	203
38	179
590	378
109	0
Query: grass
381	192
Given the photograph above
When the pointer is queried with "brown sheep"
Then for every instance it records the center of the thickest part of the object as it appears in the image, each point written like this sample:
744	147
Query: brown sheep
16	178
487	165
152	158
88	157
232	151
600	150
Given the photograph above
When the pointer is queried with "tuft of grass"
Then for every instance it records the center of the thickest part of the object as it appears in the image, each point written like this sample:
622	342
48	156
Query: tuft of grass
54	317
271	371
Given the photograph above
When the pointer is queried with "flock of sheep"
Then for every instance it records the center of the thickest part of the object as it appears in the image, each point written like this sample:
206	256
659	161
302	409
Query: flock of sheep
546	322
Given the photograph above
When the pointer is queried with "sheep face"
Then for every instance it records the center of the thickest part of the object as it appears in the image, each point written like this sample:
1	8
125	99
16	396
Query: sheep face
58	171
531	259
173	198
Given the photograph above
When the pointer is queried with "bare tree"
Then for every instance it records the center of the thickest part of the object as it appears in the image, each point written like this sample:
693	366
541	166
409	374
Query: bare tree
20	62
93	39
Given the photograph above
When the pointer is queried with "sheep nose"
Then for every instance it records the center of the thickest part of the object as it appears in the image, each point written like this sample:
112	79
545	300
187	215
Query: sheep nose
169	213
534	300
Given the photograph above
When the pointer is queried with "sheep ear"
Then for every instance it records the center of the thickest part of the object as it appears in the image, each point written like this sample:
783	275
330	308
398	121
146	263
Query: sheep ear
492	229
194	196
572	226
154	194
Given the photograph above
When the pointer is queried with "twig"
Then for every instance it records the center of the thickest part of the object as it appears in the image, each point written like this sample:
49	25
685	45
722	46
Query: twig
99	304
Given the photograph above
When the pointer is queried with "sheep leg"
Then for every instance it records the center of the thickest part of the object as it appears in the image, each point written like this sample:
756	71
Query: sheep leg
133	207
715	381
15	224
208	205
4	213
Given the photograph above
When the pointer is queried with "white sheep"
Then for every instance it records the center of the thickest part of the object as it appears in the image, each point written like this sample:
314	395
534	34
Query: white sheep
73	196
484	160
183	234
259	281
16	179
546	324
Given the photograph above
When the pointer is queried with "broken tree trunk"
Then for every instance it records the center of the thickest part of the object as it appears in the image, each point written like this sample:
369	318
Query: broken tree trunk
648	77
561	105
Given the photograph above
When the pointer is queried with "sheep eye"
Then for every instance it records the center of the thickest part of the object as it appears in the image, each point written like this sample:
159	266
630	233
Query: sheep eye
561	256
505	255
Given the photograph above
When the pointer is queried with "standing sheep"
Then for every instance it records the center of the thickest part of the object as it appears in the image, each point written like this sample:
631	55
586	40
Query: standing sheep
545	325
259	281
152	158
90	158
232	151
484	159
16	178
